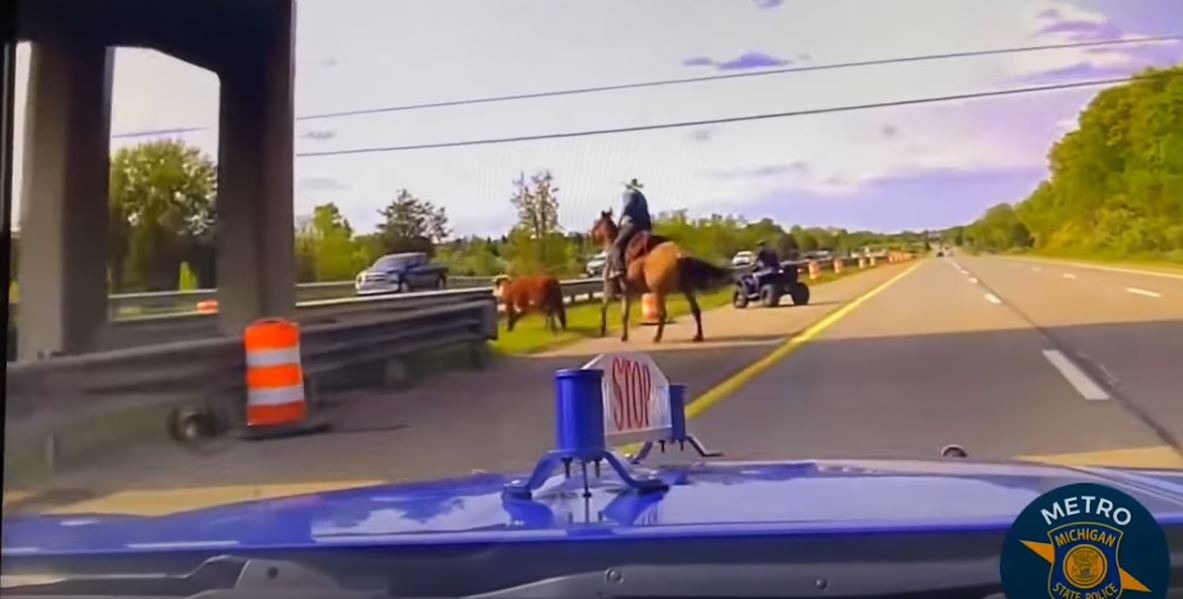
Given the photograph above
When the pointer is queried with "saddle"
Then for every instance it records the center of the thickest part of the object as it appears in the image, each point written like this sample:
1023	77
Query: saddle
640	245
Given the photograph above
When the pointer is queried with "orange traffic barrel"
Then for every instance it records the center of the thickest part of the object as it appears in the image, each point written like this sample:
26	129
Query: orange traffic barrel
814	270
209	306
274	378
649	311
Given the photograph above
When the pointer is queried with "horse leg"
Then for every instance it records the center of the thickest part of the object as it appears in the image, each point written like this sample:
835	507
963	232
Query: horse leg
562	310
624	300
605	298
660	317
696	312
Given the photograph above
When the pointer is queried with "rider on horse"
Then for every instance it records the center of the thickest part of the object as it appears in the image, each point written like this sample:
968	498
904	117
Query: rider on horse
634	218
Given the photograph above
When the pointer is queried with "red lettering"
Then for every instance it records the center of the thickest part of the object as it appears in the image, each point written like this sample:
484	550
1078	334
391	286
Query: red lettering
618	398
630	386
646	390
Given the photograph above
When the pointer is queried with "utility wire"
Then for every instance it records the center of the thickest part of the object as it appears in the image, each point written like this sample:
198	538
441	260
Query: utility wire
725	120
686	80
761	73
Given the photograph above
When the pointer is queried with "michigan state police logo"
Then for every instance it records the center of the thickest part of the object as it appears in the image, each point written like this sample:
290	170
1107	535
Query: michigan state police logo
1085	541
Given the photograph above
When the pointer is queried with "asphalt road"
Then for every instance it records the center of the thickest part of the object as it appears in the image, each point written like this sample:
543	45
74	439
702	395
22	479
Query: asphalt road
961	350
1009	358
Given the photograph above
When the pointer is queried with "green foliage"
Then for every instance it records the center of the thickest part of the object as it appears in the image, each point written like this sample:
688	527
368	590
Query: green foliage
1116	185
161	212
536	243
410	224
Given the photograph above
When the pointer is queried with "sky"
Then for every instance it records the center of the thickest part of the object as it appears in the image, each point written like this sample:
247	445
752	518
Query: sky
917	167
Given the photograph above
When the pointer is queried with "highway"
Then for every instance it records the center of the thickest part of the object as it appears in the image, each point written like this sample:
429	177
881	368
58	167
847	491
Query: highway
1008	357
1005	357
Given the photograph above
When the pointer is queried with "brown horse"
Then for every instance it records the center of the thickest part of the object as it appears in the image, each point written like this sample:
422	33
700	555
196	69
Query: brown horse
542	293
654	265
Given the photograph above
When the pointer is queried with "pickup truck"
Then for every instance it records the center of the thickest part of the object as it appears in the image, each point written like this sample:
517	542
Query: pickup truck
399	273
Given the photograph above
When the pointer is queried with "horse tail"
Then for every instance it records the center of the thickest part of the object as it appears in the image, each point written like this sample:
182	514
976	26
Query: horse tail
701	275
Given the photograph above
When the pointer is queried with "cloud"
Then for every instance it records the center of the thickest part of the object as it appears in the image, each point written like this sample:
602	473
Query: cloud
1074	72
1082	30
929	199
752	60
768	3
702	135
1050	13
804	56
329	62
796	167
319	134
747	60
321	183
889	131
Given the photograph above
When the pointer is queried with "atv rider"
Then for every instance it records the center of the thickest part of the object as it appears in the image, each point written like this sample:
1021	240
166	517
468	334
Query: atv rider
767	263
634	218
766	259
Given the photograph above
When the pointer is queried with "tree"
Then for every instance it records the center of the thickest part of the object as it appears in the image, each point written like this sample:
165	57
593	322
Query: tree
536	242
410	224
161	212
1116	184
805	240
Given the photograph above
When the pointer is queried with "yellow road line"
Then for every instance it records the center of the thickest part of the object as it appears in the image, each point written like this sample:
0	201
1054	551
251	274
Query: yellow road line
1160	456
741	378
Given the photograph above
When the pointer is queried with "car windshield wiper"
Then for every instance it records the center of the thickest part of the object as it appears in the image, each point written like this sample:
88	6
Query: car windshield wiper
224	577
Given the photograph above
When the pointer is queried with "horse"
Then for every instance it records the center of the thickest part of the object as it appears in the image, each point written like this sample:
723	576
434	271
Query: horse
543	293
656	265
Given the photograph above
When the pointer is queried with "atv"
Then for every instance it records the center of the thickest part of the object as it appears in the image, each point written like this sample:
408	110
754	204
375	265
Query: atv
767	287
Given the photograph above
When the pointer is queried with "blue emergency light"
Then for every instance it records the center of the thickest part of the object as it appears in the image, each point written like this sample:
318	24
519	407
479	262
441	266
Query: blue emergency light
579	436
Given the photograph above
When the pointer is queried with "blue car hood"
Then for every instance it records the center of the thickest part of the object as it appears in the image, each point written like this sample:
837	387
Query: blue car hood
715	499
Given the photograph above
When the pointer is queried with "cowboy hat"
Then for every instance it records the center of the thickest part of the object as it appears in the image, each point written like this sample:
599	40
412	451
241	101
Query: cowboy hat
634	184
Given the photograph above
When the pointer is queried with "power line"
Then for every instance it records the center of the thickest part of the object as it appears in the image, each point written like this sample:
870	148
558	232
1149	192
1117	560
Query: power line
687	80
158	132
762	73
725	120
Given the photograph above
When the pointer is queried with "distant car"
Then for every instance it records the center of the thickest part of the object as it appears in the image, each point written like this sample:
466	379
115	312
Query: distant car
595	266
743	258
399	273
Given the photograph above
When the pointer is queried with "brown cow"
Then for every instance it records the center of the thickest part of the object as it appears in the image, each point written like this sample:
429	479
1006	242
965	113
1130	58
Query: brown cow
541	293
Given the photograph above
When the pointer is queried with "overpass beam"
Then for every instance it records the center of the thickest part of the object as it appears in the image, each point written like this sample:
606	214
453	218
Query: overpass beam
256	253
64	239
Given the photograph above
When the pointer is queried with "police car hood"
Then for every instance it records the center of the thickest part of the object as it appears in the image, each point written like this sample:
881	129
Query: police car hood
714	499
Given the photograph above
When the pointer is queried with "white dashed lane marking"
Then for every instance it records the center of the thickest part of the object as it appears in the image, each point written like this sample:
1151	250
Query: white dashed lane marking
1076	377
1144	292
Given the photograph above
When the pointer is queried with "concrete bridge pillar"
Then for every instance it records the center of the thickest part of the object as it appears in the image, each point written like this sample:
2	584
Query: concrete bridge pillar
256	254
63	260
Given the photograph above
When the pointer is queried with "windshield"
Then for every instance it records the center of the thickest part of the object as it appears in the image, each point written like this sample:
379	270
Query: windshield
978	207
394	262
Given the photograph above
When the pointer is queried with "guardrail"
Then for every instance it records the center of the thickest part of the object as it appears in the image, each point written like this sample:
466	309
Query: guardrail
64	408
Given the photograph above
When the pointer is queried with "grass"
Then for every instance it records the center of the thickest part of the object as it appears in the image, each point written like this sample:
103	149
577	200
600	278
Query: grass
583	320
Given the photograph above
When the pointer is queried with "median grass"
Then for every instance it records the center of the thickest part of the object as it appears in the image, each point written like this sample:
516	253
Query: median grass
583	320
